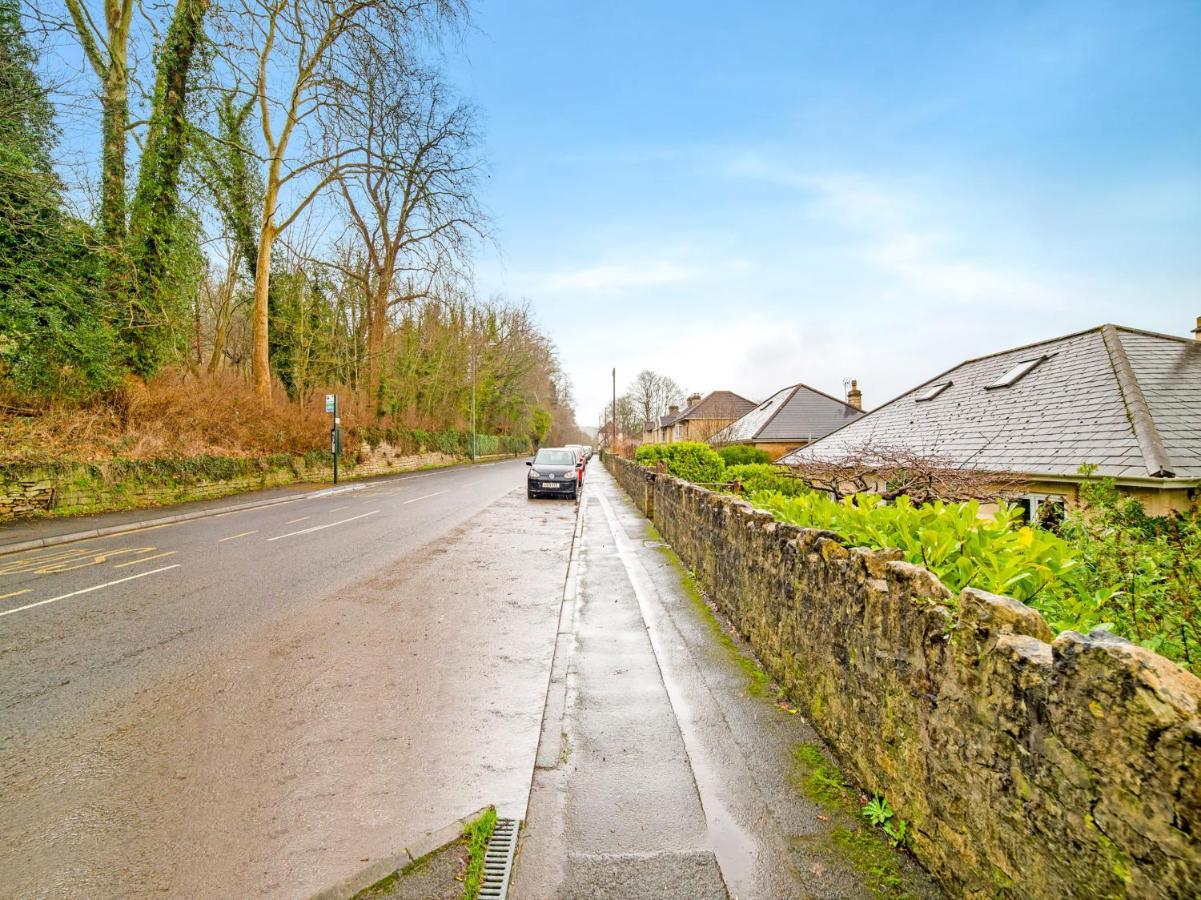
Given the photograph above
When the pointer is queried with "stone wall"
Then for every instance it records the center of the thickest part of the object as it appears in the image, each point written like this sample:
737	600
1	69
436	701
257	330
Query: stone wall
1026	764
85	487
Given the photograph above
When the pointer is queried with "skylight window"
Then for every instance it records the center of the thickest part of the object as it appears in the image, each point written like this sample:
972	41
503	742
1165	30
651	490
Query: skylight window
1015	374
932	391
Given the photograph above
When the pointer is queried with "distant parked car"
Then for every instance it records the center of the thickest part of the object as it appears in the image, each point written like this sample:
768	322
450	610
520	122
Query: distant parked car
554	471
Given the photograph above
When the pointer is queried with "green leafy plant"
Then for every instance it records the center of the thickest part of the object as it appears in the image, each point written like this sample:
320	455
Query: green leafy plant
879	813
743	454
690	460
755	477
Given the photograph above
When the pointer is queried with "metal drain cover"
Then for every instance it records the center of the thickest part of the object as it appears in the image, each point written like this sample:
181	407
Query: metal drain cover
498	860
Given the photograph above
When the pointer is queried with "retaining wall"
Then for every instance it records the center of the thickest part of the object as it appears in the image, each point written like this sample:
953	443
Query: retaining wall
122	484
1026	764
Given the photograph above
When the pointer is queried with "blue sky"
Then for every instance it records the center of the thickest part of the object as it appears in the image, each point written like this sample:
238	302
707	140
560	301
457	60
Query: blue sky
809	192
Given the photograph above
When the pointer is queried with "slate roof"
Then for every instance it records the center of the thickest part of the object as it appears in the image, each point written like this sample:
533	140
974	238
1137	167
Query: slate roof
716	405
1126	400
796	413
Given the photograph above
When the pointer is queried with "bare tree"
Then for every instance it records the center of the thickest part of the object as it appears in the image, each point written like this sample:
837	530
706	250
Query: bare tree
294	53
893	472
412	203
652	394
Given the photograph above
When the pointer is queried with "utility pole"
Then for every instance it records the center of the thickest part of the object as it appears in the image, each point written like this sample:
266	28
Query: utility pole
471	366
613	445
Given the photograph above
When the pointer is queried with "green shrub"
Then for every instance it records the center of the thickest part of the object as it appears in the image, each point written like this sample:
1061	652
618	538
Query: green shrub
755	477
743	455
1115	567
690	460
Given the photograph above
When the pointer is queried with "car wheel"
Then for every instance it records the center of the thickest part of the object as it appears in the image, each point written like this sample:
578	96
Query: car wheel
575	492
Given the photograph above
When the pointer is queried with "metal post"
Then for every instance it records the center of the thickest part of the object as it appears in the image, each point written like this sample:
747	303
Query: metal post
473	404
613	448
337	443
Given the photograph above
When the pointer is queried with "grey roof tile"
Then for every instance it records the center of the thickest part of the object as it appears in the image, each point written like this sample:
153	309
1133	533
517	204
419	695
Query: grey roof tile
1128	401
796	413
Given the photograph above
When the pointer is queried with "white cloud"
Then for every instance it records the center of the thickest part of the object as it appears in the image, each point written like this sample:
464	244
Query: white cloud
618	276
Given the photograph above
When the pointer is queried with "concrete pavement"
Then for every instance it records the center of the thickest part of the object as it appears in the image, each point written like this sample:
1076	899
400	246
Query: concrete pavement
261	703
662	770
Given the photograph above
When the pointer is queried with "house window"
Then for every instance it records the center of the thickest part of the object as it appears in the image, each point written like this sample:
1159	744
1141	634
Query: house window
1042	510
1015	374
932	391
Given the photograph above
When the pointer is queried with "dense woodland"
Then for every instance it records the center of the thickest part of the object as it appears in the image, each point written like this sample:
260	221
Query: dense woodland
282	201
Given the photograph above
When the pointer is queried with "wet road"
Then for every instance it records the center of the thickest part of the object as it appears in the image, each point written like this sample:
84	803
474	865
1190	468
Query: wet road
261	703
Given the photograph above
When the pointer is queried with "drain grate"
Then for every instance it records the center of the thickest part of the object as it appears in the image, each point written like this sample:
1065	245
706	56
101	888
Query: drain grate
498	860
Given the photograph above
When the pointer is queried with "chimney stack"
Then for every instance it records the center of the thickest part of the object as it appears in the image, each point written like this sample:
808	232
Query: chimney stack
1197	330
693	400
673	409
854	395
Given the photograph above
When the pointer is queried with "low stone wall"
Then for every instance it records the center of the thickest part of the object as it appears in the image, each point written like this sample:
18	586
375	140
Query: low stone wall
82	487
1026	764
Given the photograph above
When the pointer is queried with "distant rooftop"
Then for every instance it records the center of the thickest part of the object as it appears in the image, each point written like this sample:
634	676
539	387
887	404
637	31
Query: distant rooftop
716	405
1126	400
796	413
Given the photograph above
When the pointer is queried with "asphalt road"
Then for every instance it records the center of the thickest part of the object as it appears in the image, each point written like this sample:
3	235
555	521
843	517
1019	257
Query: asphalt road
260	703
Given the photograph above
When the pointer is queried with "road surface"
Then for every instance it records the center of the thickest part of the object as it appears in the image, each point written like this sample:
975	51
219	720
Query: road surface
262	703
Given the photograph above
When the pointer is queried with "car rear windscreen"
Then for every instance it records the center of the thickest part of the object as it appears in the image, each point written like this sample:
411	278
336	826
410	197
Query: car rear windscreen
555	458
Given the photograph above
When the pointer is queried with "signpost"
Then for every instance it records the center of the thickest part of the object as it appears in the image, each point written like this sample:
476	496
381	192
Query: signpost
335	433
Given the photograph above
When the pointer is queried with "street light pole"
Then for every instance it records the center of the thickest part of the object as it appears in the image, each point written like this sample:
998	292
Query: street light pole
613	446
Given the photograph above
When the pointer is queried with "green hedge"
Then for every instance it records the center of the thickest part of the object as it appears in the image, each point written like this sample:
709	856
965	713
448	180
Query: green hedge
690	460
1117	569
742	455
765	477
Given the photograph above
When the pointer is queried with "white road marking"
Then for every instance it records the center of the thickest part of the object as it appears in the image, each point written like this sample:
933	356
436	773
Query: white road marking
234	537
294	521
426	497
88	590
319	527
134	562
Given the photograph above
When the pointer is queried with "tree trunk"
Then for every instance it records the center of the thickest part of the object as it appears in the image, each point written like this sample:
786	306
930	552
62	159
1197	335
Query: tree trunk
115	123
260	359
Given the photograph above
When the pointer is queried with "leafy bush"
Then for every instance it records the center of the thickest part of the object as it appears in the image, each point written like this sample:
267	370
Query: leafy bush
951	540
755	477
1114	567
743	455
1144	572
690	460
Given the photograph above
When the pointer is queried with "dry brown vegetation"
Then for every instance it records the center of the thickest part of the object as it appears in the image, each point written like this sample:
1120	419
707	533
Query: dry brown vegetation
173	414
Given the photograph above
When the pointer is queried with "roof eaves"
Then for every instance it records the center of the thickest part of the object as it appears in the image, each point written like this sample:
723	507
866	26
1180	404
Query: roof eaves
1155	457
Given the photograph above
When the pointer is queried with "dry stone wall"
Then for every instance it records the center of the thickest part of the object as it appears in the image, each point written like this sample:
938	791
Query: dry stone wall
1026	764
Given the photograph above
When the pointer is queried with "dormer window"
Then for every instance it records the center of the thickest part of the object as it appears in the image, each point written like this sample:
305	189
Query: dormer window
932	391
1015	374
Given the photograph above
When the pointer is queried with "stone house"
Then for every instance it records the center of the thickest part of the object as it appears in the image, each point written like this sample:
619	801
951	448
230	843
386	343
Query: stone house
701	419
792	418
1121	399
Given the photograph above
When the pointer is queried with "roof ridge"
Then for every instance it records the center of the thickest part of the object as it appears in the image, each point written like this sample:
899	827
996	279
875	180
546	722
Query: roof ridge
1157	334
1155	457
779	406
1031	345
829	396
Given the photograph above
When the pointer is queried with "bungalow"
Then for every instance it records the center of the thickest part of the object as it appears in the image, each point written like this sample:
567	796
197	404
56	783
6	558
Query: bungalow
700	420
1123	400
792	418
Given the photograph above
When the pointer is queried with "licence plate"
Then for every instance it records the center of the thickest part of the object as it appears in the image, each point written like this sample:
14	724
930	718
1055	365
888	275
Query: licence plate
550	484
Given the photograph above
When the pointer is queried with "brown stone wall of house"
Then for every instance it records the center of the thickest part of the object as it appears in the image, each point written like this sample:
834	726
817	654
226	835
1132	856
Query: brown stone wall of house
1027	765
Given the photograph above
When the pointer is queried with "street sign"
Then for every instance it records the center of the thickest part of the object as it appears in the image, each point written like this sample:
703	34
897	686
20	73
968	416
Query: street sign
330	403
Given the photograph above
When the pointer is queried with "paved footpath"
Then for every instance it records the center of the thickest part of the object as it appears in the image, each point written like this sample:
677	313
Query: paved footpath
660	772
